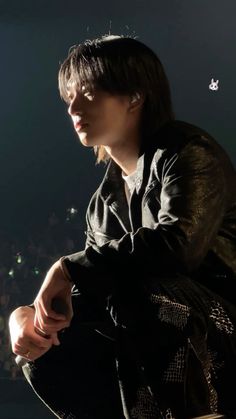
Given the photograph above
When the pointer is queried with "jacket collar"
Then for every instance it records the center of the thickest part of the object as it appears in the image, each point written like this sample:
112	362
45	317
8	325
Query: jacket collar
112	185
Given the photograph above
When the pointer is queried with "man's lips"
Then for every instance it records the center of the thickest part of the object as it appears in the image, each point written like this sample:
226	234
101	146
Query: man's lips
78	126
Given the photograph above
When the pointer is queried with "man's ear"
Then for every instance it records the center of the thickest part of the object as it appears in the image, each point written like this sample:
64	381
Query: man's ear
135	97
136	101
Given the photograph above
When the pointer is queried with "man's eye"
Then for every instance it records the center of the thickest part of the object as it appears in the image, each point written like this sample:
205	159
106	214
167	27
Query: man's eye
89	95
86	93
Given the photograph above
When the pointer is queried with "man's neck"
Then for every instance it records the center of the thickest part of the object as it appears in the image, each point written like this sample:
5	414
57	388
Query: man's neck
125	156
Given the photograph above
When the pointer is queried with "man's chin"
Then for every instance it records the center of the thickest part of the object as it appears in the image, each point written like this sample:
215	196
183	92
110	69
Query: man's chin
85	142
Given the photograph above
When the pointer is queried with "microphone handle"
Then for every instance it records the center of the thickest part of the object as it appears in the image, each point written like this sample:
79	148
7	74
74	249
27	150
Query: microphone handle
59	306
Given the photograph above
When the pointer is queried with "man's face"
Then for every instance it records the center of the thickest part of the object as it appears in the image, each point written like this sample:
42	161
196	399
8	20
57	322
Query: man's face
99	118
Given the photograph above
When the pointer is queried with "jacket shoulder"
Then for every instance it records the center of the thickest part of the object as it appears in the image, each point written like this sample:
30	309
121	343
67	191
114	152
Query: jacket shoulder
186	127
177	133
188	143
176	136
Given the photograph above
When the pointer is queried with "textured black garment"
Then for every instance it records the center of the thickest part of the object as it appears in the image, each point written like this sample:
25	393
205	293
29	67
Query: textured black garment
181	218
177	355
163	270
165	266
173	358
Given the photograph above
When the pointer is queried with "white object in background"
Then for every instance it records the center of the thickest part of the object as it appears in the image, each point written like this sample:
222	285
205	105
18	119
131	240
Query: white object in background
214	85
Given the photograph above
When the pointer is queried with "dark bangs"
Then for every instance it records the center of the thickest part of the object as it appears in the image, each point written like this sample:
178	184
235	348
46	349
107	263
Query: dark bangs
100	63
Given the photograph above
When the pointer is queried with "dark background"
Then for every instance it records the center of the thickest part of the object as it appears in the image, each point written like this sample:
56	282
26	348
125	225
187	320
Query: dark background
43	168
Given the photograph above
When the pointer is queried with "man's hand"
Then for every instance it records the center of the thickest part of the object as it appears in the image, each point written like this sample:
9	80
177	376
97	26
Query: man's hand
55	286
24	340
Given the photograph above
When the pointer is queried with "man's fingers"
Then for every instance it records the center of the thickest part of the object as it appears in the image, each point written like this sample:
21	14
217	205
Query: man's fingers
32	354
32	347
19	349
51	326
48	324
48	320
38	342
52	310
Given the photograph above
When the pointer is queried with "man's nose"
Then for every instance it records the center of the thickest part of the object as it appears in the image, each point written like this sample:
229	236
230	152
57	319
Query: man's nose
75	106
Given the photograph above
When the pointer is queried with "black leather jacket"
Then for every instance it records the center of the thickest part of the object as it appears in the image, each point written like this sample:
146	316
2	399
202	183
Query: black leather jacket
181	219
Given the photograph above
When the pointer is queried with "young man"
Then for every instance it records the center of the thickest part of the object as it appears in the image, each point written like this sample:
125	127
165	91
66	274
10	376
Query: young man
153	327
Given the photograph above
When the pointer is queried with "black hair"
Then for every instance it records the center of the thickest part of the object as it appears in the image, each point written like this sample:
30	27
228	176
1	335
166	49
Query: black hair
120	65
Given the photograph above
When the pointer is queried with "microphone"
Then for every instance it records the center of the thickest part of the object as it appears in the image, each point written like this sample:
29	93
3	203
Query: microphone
60	307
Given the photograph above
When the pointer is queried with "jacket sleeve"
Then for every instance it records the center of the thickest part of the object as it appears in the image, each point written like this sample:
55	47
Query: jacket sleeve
190	212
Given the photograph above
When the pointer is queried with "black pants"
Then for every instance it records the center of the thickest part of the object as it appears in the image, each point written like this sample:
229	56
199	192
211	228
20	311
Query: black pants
171	355
78	379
